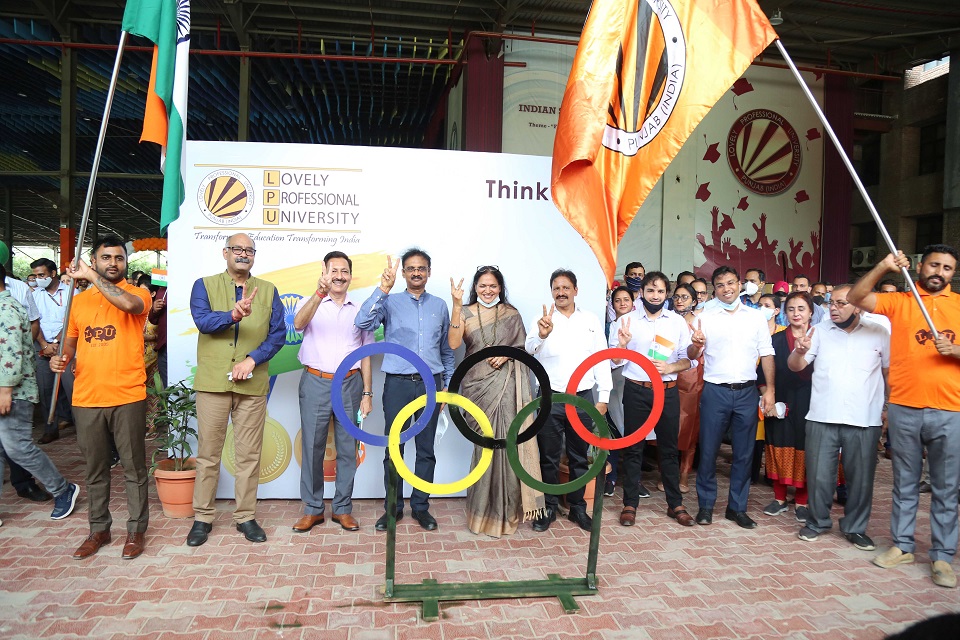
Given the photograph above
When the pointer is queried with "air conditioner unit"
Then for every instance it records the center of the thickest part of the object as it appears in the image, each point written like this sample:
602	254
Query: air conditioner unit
915	260
863	257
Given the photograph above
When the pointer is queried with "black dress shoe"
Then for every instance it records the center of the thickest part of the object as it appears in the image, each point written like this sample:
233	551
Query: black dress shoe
426	520
581	518
382	522
741	518
705	516
35	493
47	438
542	523
198	533
252	531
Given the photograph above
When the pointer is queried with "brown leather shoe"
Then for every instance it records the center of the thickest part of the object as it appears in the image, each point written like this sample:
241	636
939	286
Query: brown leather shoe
92	544
628	516
680	515
346	521
133	546
47	438
306	523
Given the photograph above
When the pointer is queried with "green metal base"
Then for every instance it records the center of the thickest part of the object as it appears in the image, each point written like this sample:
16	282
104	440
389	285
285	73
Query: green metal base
430	592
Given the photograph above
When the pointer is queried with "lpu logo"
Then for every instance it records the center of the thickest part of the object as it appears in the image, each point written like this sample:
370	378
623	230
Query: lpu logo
225	197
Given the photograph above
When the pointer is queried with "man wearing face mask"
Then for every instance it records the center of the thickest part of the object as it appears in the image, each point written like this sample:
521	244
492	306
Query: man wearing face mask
731	336
241	323
755	279
632	279
662	336
819	293
851	360
49	296
924	407
802	283
700	286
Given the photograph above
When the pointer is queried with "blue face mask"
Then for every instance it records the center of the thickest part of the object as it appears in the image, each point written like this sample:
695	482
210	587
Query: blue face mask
729	306
826	298
633	283
768	312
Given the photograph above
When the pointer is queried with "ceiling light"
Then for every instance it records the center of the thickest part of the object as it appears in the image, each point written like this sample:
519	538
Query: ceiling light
21	94
776	19
272	81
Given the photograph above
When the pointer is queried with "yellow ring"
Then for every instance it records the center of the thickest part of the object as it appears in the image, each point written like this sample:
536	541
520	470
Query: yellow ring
393	445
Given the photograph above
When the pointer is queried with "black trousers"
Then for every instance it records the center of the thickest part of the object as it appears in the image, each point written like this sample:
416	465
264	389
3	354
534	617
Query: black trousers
637	405
550	440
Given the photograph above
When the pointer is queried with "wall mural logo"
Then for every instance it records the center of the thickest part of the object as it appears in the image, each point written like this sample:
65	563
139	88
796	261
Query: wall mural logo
763	150
649	79
225	197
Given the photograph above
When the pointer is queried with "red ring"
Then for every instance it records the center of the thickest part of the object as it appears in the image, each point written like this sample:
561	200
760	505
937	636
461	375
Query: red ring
614	444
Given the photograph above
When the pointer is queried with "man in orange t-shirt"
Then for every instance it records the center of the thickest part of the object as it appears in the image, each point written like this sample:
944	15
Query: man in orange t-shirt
924	409
109	394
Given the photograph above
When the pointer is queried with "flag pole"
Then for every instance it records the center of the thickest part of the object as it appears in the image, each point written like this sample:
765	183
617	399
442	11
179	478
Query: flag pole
87	205
856	180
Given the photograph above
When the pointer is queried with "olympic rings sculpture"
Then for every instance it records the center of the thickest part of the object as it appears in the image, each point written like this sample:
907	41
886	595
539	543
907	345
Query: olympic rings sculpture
396	434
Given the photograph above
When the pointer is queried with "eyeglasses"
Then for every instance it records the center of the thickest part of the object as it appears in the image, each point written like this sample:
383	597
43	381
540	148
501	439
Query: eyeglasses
701	294
416	269
243	251
488	267
682	298
839	304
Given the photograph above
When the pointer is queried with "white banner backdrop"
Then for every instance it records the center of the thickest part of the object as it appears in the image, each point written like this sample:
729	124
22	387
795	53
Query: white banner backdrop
300	201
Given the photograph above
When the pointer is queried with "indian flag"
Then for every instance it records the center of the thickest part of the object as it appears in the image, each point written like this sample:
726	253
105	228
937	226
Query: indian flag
166	23
660	349
158	277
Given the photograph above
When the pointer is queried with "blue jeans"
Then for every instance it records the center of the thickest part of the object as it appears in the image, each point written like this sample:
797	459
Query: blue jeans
398	391
16	440
720	408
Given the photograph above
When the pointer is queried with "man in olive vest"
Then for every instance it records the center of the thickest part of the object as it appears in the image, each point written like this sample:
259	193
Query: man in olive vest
241	323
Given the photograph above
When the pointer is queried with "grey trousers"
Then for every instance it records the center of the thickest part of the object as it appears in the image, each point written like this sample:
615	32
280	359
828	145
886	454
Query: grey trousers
939	431
315	413
823	444
45	379
16	439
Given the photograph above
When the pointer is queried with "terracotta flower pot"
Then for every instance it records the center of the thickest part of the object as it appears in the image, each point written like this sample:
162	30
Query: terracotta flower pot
175	488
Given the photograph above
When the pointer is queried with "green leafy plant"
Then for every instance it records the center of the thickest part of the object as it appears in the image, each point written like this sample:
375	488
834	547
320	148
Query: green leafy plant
178	404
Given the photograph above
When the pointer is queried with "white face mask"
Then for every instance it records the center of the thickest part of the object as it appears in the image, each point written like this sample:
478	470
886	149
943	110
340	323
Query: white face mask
750	288
43	283
768	312
490	304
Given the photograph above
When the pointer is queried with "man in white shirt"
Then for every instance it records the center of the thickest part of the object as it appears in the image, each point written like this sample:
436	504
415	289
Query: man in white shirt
50	297
561	340
731	336
849	380
662	336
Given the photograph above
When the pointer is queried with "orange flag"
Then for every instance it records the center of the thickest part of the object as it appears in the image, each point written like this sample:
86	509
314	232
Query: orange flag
645	74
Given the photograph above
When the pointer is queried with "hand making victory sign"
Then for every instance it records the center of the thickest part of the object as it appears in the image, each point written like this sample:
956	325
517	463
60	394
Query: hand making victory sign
389	276
244	305
545	324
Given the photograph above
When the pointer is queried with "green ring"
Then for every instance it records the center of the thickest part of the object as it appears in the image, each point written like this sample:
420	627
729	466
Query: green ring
513	453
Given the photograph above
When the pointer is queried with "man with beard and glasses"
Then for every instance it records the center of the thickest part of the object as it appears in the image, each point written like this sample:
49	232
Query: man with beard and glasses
109	391
561	340
329	335
662	336
241	323
924	409
420	322
731	337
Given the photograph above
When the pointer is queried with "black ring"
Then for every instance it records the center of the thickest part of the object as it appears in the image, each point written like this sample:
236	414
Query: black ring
508	352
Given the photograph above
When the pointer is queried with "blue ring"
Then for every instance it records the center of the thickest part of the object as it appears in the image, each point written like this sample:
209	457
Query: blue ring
336	397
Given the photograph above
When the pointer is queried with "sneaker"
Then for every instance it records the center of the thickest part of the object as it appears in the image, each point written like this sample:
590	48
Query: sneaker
643	492
892	557
860	541
775	508
64	503
114	459
942	574
802	513
808	534
608	487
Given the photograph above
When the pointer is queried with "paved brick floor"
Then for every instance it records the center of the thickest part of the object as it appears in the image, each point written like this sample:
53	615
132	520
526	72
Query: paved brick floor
657	580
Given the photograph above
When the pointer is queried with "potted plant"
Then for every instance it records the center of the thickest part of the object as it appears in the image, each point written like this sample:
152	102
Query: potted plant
176	473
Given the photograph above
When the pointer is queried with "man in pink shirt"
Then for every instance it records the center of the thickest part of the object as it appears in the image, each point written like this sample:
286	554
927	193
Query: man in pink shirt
329	335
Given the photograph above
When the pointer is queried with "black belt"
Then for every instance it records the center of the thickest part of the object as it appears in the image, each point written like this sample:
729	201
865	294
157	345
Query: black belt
736	386
413	377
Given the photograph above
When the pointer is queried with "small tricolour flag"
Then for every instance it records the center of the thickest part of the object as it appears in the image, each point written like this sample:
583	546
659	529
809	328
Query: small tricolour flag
158	277
661	349
166	23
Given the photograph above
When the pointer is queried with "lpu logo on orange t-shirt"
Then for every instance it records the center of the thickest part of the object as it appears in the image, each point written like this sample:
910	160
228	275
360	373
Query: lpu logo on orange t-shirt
923	336
100	334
